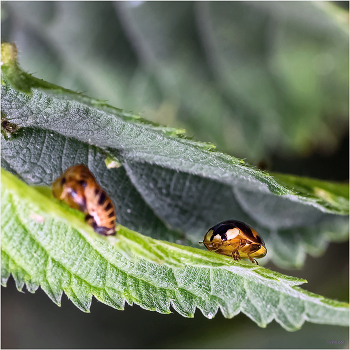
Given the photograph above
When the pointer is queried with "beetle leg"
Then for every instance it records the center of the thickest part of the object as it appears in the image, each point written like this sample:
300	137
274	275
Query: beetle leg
238	256
236	252
252	260
235	255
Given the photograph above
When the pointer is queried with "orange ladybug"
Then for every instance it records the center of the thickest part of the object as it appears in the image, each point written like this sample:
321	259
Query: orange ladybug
235	238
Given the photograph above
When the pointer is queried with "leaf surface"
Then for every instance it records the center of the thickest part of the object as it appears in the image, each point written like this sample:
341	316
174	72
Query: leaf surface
169	186
44	243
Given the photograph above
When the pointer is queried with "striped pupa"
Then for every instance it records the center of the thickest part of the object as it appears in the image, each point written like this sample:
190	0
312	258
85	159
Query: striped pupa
79	189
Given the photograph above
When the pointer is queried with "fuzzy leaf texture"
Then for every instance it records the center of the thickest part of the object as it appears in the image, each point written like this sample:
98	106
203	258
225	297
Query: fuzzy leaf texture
163	184
45	243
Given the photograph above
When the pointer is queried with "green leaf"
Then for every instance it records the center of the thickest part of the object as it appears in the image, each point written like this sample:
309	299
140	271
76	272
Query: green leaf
169	187
44	243
336	194
274	75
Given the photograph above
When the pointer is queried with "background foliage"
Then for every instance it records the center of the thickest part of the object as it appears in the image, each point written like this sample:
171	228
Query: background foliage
148	71
273	75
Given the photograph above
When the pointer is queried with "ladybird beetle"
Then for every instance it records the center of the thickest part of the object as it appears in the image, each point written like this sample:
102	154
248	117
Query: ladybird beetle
235	238
80	190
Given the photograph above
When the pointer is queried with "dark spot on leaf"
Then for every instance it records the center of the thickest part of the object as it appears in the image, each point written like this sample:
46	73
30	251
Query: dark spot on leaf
7	128
5	123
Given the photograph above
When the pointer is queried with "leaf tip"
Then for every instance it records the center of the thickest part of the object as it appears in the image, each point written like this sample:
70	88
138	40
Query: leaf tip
4	282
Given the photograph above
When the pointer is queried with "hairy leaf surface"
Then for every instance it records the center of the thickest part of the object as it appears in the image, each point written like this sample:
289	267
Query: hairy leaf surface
165	185
44	243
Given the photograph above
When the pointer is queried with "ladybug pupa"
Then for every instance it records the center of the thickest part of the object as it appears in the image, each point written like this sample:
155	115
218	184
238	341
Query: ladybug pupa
79	189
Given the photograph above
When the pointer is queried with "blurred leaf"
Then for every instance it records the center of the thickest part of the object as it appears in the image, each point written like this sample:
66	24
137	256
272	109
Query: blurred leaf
251	77
169	187
47	244
333	193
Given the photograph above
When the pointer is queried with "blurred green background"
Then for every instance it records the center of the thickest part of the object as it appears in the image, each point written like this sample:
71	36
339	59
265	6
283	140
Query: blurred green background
263	81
